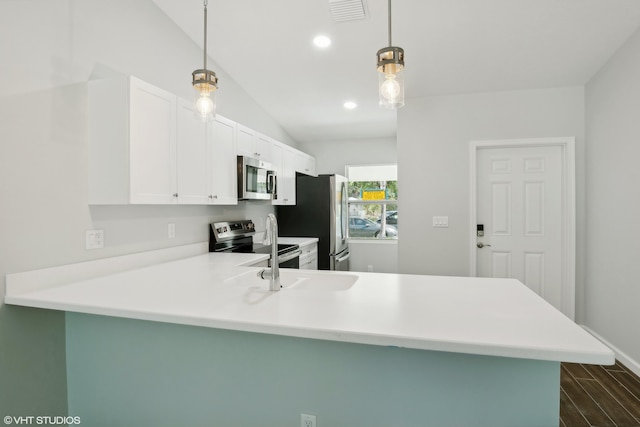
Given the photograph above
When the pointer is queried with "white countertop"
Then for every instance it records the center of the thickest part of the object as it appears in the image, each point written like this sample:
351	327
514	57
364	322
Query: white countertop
498	317
300	241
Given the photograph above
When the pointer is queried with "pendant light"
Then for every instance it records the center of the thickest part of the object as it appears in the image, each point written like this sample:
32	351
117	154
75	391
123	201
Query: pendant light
391	77
205	83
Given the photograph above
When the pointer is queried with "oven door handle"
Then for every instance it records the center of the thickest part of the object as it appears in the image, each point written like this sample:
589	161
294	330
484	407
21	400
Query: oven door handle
289	256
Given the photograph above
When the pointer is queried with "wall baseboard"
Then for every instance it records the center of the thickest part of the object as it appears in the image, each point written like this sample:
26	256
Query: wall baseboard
627	361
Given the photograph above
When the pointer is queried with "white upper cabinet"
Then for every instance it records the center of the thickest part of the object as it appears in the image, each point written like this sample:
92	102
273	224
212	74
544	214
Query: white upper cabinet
283	160
264	147
132	143
305	163
253	144
146	146
192	162
223	183
247	141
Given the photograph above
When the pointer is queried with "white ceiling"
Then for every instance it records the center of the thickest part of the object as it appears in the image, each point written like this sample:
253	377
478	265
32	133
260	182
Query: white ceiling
451	46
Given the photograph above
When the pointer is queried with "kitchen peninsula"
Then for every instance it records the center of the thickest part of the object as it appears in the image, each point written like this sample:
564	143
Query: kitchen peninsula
201	341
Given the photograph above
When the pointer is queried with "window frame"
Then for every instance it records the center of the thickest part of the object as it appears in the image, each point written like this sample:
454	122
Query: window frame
383	204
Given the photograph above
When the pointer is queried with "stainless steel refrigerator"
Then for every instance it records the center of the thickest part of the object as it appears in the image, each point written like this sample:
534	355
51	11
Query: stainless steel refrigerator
321	211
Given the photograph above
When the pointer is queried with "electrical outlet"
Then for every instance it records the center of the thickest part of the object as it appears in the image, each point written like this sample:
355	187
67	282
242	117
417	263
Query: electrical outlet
307	420
369	268
171	230
94	239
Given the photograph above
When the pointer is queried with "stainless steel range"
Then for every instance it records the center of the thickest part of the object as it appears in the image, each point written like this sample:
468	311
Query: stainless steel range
237	236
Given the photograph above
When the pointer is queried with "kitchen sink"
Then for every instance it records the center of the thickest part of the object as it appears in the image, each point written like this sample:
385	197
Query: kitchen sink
298	280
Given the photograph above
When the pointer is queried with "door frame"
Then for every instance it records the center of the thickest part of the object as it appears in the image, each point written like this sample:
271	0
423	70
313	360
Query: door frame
567	145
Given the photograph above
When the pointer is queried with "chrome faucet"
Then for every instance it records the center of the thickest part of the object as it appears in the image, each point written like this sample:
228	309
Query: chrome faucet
272	234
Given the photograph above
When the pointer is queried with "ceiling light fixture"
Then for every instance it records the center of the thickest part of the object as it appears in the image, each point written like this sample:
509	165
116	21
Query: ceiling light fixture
391	77
350	105
205	83
322	41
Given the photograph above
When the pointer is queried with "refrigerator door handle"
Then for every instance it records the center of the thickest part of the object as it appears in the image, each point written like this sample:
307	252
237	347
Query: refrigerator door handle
345	210
343	257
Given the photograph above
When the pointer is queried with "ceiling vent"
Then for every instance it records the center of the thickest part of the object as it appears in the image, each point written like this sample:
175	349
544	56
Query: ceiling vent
348	10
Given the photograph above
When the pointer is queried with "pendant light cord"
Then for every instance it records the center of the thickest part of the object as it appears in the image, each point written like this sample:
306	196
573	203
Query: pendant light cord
205	33
389	14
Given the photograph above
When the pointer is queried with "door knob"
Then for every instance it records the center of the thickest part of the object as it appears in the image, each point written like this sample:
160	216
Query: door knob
481	245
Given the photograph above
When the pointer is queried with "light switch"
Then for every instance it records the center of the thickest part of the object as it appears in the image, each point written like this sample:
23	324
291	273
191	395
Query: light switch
440	221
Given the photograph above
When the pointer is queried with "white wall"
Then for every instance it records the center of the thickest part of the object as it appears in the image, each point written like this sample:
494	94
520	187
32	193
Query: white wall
613	202
378	257
332	157
49	50
433	165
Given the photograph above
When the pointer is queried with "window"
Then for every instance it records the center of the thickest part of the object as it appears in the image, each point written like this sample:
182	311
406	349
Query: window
373	201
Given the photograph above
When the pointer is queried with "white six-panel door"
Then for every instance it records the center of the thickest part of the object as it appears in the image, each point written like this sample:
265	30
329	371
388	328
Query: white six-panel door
519	201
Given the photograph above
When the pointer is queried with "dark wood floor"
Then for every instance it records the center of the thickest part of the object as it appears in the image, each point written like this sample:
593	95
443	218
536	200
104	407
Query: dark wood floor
599	396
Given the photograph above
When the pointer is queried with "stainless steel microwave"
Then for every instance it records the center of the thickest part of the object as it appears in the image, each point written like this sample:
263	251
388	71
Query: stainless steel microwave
257	180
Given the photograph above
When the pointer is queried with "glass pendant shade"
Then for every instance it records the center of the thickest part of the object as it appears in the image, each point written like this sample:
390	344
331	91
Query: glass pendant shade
205	84
391	77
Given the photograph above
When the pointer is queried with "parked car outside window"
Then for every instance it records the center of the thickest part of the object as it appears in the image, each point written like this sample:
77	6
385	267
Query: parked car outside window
392	218
362	227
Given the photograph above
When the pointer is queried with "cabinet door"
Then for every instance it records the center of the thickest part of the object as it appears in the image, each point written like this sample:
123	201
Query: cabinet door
152	144
223	181
290	176
277	160
263	148
192	152
253	144
305	164
283	160
247	142
309	257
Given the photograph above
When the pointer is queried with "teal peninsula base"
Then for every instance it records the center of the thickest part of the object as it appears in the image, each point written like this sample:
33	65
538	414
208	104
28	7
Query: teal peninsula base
124	372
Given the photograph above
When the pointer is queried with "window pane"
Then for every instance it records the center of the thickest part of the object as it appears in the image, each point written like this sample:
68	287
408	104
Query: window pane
365	221
373	190
373	195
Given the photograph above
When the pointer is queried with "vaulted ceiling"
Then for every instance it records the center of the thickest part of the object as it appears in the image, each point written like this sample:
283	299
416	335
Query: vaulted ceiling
451	46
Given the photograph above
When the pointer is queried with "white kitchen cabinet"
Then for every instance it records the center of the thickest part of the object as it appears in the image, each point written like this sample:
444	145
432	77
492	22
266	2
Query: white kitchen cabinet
132	143
223	183
309	257
305	163
146	146
206	159
277	160
253	144
192	156
264	148
283	160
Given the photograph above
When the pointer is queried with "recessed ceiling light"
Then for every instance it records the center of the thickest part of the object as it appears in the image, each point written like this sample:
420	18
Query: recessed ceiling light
350	105
322	41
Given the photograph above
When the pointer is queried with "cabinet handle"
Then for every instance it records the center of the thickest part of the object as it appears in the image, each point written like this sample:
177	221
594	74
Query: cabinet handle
175	194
